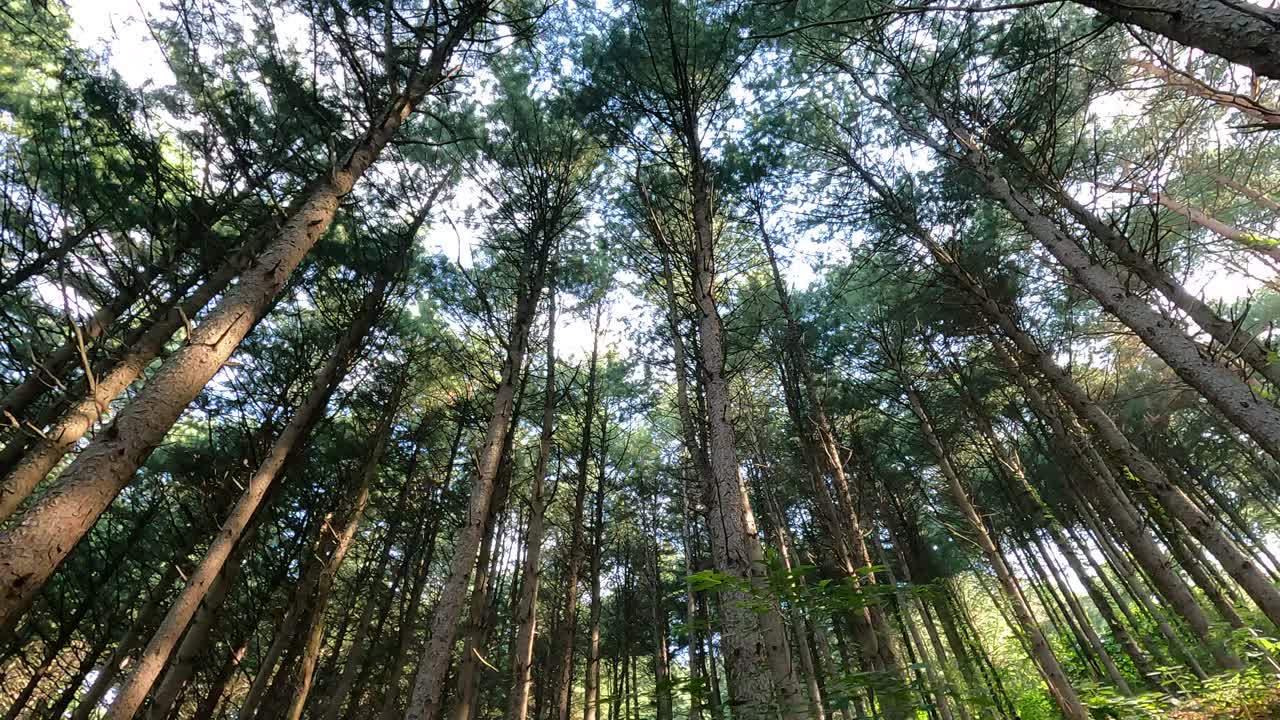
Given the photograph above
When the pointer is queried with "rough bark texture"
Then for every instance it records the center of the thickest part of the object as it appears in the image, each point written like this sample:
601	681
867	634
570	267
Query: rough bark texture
1241	32
45	453
290	440
33	549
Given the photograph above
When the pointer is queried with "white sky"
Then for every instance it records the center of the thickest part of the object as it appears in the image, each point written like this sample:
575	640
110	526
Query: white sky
119	28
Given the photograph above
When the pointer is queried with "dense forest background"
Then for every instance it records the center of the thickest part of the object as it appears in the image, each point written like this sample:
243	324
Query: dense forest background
715	359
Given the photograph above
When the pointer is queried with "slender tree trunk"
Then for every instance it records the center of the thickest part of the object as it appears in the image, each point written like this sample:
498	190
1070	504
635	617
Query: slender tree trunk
564	652
213	696
354	664
1227	333
291	439
527	611
591	682
809	417
1152	559
55	368
476	630
429	681
35	547
1050	669
408	623
661	653
1260	198
300	676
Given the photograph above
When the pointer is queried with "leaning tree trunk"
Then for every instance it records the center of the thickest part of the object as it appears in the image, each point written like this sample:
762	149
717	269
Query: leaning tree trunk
35	463
1226	333
428	686
1241	32
301	675
1139	541
809	416
1256	417
153	659
32	550
1050	669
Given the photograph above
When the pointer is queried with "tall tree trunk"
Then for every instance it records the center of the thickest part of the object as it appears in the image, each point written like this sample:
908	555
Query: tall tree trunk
757	661
1257	418
54	368
526	617
476	629
591	680
564	652
661	653
290	441
429	681
354	663
810	419
1101	487
35	547
297	675
33	465
1050	669
301	674
1075	396
1227	333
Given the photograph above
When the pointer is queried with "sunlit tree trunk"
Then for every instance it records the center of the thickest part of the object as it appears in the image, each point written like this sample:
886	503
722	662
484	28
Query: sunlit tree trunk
36	546
291	439
429	680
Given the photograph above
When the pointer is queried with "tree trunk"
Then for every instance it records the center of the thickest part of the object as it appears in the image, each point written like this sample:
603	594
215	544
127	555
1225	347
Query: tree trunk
476	629
1050	669
365	637
591	681
563	677
1226	333
33	549
526	618
809	417
428	686
1242	33
31	467
291	439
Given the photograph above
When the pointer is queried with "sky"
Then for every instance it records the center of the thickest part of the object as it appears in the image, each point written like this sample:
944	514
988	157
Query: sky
119	28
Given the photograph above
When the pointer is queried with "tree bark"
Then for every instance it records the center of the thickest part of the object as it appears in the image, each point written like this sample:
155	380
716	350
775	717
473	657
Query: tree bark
33	549
291	439
424	703
1240	32
591	681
